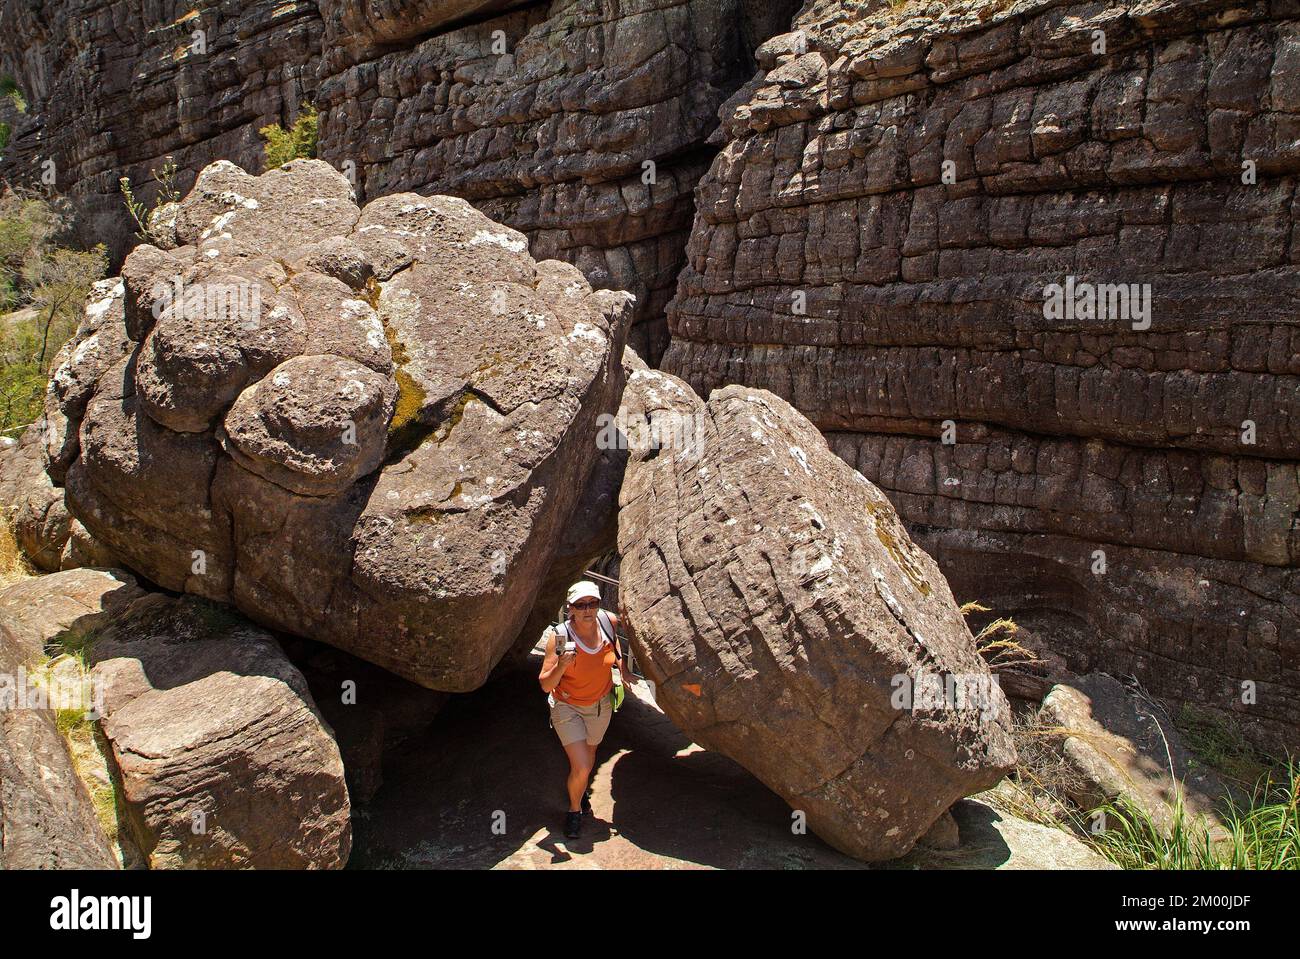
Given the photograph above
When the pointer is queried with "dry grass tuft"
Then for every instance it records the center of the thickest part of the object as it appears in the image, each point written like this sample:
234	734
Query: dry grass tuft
13	564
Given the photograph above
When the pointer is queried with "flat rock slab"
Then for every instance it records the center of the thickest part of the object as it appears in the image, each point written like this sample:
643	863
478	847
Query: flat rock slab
1123	745
223	759
64	607
780	607
991	839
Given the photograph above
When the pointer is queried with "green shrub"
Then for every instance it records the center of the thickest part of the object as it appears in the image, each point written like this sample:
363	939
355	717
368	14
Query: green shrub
47	284
298	141
140	212
1263	833
9	88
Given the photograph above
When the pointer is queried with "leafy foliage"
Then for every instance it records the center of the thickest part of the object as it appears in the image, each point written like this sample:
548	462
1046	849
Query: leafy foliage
9	88
165	180
45	283
298	141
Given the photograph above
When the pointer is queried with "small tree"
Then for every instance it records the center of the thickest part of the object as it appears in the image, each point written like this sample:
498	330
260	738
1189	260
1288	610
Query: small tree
58	284
49	282
300	140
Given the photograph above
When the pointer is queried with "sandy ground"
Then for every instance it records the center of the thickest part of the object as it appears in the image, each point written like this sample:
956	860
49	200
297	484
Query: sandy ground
483	788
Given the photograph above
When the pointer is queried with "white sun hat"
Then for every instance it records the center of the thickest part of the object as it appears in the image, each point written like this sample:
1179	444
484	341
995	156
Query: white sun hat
583	589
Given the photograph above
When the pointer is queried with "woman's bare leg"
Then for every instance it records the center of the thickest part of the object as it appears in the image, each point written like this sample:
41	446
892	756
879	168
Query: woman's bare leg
581	757
591	762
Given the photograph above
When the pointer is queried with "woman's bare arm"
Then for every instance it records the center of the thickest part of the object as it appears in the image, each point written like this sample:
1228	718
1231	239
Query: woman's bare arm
553	665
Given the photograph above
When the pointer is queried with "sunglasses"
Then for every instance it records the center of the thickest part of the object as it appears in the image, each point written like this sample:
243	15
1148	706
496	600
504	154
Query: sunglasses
586	604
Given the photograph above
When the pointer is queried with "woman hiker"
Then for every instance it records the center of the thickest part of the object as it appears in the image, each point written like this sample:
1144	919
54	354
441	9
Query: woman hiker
580	683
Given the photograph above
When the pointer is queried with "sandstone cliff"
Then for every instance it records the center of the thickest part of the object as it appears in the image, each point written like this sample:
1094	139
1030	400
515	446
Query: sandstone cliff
544	115
1130	490
895	191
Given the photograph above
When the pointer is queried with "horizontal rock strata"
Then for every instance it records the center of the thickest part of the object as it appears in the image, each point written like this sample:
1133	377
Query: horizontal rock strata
878	240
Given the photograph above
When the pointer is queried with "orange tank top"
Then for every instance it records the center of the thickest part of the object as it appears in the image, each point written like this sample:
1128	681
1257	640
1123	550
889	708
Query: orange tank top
588	680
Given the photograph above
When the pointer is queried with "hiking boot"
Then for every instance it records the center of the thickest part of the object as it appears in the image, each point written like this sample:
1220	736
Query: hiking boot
586	802
572	824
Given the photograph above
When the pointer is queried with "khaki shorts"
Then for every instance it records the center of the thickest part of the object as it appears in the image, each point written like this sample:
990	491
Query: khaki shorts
574	724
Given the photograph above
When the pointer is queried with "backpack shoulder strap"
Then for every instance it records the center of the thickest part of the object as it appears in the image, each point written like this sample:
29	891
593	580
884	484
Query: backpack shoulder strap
607	630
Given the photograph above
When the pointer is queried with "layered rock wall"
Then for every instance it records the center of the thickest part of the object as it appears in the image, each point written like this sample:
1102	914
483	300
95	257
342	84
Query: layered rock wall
581	123
544	115
116	86
877	241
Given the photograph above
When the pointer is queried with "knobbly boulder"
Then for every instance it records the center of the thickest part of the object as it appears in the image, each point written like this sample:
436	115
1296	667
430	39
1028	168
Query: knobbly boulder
223	759
368	427
789	622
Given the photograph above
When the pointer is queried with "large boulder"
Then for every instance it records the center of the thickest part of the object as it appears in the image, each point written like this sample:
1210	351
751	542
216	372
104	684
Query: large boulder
47	817
368	427
789	622
223	759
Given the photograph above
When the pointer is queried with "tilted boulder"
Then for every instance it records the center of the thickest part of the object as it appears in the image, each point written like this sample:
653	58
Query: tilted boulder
789	622
368	427
47	818
223	759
